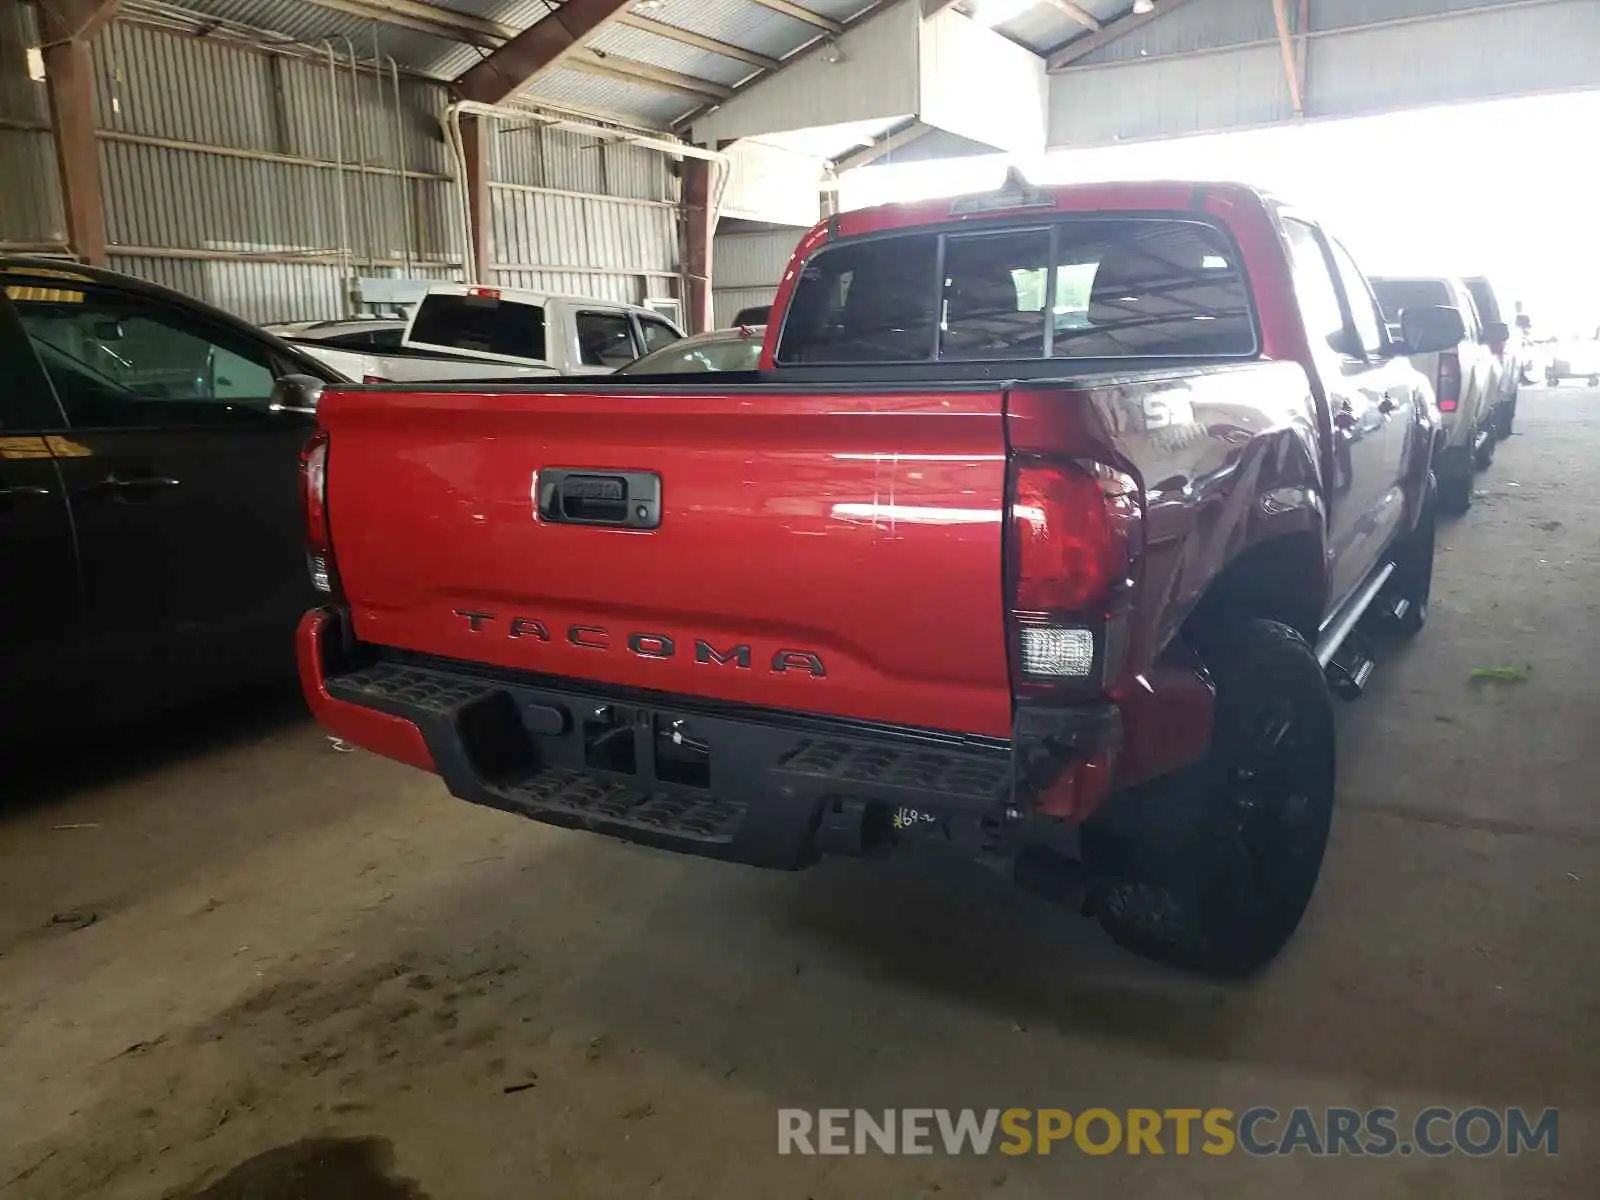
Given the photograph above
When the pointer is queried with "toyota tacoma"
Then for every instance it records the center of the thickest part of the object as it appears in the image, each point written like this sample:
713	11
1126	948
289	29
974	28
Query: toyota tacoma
1047	530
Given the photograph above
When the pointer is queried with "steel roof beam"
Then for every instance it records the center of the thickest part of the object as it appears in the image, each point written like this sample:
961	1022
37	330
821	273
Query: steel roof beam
425	18
1291	65
1069	52
932	8
539	47
799	13
881	147
1081	16
698	40
612	66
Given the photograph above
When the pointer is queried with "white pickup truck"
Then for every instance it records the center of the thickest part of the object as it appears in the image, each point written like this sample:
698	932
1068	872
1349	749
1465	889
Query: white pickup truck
464	332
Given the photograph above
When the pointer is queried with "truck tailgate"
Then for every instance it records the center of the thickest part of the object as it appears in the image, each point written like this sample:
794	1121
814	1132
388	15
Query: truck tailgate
835	553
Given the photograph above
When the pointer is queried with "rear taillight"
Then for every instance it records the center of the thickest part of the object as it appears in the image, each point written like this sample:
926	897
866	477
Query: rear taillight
314	492
1073	541
1449	382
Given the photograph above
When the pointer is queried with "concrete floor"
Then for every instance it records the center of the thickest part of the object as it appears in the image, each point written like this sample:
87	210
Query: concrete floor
243	964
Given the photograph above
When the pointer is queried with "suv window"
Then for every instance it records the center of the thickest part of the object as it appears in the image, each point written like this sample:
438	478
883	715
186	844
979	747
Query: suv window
1363	309
1314	287
1395	295
115	358
480	322
1082	288
605	339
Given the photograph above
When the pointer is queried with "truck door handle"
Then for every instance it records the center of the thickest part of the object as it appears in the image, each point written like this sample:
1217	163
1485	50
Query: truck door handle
133	487
23	491
596	496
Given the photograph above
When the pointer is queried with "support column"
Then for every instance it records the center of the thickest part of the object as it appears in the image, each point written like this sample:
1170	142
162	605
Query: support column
475	138
69	27
699	225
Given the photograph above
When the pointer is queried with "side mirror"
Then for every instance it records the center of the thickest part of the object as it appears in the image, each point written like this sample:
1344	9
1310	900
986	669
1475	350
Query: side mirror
296	394
1430	328
1496	332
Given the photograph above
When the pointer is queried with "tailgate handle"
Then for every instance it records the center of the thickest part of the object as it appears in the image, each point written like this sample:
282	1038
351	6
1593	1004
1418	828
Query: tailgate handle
593	496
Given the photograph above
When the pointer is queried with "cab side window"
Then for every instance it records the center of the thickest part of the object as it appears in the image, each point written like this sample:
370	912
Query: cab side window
606	339
1363	308
116	359
1314	287
657	334
1471	317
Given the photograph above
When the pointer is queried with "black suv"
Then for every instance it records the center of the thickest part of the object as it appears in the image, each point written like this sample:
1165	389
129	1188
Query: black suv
149	507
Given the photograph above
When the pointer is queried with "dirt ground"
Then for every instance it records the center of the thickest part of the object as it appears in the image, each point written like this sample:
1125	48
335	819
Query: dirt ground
242	965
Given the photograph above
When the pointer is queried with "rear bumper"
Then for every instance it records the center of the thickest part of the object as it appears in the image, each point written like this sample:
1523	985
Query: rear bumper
747	785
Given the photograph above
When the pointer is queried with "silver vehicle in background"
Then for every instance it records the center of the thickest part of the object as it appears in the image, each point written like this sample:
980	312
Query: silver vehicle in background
720	350
1466	380
463	332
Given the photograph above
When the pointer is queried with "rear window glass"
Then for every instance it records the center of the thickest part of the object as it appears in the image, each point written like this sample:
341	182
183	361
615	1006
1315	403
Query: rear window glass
481	325
1396	294
1082	289
367	339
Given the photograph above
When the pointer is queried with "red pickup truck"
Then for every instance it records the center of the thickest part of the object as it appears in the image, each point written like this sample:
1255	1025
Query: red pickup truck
1043	532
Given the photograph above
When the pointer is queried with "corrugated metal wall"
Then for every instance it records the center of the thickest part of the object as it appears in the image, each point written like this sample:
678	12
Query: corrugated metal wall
874	75
30	202
1477	55
747	267
1165	97
1216	66
260	181
577	215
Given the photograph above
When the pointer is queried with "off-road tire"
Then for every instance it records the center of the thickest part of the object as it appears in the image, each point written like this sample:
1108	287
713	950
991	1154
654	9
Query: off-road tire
1483	459
1455	494
1505	421
1212	871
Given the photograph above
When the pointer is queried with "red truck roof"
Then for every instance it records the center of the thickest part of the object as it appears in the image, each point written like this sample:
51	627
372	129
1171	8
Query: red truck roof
1161	196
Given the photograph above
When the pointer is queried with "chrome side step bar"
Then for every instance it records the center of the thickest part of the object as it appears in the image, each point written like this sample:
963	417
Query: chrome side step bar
1338	628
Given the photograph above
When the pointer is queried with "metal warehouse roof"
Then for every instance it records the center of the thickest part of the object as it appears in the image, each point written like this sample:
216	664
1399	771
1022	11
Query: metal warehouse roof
655	64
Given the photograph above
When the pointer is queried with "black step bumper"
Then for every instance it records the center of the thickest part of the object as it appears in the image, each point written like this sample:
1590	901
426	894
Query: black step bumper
773	790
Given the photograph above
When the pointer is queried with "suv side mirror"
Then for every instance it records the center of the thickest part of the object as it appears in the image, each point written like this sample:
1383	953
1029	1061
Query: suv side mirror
1496	333
296	394
1430	328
